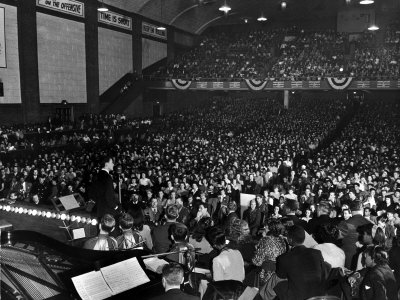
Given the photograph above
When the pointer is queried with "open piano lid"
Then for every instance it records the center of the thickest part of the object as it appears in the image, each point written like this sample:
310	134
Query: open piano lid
34	266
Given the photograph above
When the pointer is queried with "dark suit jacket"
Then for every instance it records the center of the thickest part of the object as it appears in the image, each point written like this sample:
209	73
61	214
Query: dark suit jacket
348	230
175	294
161	238
306	272
379	283
102	192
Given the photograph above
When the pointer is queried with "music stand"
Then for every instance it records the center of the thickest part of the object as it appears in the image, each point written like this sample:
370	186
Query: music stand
66	205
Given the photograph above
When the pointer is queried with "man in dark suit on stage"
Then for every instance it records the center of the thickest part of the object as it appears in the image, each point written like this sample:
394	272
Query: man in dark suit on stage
172	278
304	268
103	190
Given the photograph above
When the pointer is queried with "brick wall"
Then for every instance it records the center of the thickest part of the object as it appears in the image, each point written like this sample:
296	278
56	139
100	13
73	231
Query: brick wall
152	52
115	57
10	75
61	59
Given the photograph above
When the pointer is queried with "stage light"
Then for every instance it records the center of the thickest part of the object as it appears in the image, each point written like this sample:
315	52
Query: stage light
58	216
283	5
29	211
34	212
373	28
262	18
94	222
88	221
67	217
8	208
341	69
48	214
25	210
224	8
44	213
63	216
20	210
83	220
53	215
1	206
73	218
12	209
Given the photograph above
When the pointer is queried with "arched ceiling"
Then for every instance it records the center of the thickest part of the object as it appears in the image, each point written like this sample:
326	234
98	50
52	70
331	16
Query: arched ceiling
196	15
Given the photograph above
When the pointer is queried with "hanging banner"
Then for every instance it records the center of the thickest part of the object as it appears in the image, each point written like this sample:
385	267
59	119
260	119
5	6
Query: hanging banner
114	19
181	84
278	84
256	85
71	7
363	84
383	84
152	30
3	58
339	83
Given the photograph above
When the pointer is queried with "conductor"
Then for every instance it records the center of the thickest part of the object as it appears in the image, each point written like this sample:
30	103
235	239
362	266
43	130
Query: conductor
103	190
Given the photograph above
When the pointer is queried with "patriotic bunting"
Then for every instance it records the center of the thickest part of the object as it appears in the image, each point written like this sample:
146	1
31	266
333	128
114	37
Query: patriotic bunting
181	84
339	83
256	85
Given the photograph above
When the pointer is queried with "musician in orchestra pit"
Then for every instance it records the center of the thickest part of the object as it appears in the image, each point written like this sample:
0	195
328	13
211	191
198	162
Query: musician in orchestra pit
103	242
179	235
129	238
172	278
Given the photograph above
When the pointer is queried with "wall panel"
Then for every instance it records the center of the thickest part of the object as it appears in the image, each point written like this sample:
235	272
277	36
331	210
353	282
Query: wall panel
61	59
115	57
10	76
152	52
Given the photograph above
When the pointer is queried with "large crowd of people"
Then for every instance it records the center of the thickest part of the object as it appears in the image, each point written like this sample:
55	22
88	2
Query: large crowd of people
288	54
324	203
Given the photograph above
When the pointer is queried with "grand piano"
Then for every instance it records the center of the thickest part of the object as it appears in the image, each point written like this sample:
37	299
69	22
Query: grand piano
35	266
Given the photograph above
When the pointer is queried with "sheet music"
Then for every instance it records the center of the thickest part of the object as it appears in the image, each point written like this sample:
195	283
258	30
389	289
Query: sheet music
249	293
69	202
155	264
124	275
92	286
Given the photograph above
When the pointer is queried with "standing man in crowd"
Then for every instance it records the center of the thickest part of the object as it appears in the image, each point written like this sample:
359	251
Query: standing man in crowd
103	190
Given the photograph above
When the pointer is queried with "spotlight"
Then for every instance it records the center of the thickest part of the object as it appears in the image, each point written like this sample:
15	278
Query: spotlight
225	8
102	8
283	5
341	69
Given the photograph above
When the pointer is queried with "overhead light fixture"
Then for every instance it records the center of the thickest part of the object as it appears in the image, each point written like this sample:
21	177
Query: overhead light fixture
373	28
283	5
246	21
366	2
102	8
225	8
161	28
262	18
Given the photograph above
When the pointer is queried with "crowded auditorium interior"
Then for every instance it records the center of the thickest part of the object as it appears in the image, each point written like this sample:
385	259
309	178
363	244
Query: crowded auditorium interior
200	149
